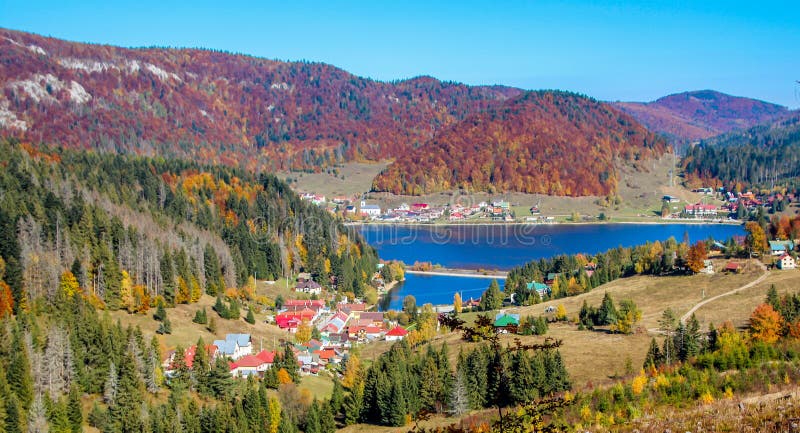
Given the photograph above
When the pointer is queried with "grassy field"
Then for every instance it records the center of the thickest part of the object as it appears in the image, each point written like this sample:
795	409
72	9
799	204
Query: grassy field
597	357
185	332
352	178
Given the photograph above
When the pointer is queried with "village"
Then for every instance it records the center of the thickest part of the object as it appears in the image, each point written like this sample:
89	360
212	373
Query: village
323	334
718	205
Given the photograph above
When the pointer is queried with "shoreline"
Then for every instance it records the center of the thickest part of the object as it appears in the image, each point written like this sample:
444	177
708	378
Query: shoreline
464	273
523	223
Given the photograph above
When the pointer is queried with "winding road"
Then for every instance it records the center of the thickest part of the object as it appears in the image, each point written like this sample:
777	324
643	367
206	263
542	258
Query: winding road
697	306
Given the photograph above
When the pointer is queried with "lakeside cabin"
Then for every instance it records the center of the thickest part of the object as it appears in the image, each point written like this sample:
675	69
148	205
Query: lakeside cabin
779	248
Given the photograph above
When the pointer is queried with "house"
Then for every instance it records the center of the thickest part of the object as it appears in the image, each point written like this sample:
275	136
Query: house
779	248
395	334
786	262
308	286
234	346
472	303
506	322
541	288
335	324
708	267
551	276
701	210
419	207
252	365
293	305
733	267
670	199
370	210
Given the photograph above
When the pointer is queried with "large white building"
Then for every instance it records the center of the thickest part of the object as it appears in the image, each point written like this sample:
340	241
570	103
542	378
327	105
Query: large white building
370	210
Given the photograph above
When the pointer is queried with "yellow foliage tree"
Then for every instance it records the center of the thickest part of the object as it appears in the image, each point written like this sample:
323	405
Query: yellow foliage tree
457	303
639	382
68	284
197	291
183	296
140	302
126	292
561	312
303	333
274	413
351	372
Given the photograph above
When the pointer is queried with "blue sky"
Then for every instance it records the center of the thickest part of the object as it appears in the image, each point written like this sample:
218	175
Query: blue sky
611	50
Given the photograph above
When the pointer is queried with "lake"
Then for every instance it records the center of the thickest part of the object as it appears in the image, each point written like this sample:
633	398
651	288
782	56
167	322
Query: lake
498	246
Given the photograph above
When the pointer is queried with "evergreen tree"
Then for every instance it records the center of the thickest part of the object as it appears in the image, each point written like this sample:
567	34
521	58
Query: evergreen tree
312	421
286	425
201	364
14	417
289	362
327	422
354	403
218	381
607	313
160	313
653	358
213	274
430	386
711	343
19	372
74	410
337	396
251	319
692	341
220	308
125	413
168	277
200	316
492	298
165	328
773	299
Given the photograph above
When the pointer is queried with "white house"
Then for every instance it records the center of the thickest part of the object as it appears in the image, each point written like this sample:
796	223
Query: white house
234	346
786	262
708	267
370	210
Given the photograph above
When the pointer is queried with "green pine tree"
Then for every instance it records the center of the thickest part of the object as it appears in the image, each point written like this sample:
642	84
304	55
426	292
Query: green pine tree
75	410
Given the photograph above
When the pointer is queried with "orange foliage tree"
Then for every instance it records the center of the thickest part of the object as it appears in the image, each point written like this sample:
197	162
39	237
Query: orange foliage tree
697	255
6	300
765	324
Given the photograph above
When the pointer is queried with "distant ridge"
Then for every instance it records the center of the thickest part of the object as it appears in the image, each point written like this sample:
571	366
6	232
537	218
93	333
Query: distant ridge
691	116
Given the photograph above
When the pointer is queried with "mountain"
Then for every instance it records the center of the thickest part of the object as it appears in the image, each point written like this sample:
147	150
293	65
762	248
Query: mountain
691	116
218	107
763	156
546	142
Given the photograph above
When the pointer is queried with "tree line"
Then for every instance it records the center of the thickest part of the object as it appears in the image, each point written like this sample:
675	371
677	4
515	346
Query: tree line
131	230
579	273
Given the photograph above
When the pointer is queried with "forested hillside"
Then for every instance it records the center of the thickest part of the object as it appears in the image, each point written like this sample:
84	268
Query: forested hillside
131	229
218	107
763	156
546	142
690	116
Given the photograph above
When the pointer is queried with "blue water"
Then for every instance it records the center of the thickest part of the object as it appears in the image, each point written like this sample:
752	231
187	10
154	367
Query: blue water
505	246
436	289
